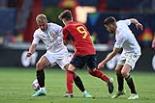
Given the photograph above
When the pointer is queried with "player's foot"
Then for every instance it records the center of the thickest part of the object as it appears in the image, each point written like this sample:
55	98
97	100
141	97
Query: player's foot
110	86
86	94
40	92
118	94
133	96
68	95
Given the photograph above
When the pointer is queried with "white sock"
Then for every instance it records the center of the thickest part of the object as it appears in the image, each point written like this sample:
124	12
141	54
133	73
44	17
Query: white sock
42	88
85	92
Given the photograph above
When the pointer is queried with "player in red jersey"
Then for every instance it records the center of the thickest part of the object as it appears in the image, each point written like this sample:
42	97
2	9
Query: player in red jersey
77	34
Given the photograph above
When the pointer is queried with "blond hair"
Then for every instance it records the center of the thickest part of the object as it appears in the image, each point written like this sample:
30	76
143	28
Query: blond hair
41	18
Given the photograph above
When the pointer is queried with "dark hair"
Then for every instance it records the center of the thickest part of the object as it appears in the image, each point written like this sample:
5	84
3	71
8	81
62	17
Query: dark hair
67	14
109	20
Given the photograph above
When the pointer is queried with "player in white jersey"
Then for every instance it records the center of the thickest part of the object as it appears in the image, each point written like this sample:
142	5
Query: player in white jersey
126	40
51	35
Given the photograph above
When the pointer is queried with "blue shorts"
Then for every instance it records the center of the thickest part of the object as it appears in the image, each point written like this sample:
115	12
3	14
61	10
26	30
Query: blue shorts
88	60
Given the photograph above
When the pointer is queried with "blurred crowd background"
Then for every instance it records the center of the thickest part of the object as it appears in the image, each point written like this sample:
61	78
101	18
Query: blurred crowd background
17	17
17	25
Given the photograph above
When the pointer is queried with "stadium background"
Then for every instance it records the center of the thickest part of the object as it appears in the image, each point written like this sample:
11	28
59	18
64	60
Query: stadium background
17	24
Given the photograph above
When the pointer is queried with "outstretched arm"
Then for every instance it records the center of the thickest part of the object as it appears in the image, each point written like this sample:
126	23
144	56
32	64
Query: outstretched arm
108	57
137	23
32	49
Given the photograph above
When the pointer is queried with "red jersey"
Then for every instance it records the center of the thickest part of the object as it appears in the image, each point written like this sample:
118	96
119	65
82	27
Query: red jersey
80	36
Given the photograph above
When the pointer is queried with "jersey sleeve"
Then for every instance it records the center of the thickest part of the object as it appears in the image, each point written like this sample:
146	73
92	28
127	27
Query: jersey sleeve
127	21
120	38
36	38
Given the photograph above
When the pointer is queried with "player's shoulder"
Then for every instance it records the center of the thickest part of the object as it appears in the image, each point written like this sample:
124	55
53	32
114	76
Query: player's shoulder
54	25
78	23
68	26
74	24
123	22
37	31
120	22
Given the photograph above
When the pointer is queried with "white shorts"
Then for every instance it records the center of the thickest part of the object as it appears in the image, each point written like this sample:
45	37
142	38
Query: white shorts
128	58
61	58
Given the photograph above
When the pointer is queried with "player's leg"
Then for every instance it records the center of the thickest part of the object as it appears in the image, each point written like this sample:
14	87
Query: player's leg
77	80
128	66
125	72
79	84
99	74
40	66
120	78
91	63
70	78
76	61
64	63
120	81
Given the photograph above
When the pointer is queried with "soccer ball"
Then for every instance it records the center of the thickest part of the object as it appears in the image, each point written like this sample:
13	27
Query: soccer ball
35	85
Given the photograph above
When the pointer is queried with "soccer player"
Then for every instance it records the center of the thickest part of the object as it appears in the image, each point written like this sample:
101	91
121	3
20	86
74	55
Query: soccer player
51	35
77	34
131	52
153	43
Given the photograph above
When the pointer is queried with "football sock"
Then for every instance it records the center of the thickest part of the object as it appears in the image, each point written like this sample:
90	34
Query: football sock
120	81
70	78
98	73
41	78
79	83
131	85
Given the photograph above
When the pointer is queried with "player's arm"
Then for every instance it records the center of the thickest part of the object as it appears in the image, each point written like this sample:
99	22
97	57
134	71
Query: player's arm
33	46
67	37
136	23
108	57
120	39
32	49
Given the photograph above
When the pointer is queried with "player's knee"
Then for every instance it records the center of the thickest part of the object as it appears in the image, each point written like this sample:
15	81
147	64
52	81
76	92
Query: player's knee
117	71
39	66
71	68
124	73
92	72
66	66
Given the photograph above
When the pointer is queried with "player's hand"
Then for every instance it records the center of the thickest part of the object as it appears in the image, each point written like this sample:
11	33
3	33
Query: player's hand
139	26
28	54
100	65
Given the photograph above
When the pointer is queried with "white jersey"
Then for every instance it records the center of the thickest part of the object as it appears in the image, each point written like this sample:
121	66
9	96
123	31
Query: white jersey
52	38
125	38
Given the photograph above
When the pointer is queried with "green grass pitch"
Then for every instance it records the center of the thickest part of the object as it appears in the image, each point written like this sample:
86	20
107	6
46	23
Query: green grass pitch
15	87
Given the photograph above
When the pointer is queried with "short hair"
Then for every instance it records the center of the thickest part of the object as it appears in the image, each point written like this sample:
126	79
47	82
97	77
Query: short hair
66	14
41	18
109	20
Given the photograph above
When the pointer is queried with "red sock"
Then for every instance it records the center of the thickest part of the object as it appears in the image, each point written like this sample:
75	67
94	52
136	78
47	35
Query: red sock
70	76
99	74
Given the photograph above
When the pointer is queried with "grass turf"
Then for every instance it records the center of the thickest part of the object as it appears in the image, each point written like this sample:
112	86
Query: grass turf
15	87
